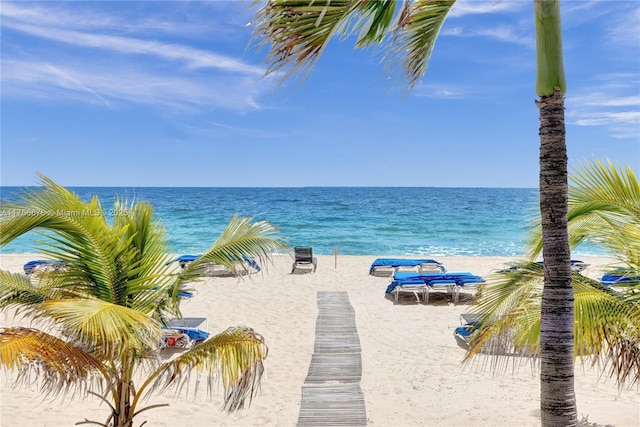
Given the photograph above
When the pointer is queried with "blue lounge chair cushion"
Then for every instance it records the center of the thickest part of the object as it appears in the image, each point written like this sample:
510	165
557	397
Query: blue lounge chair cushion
30	266
619	276
195	334
463	331
185	259
431	279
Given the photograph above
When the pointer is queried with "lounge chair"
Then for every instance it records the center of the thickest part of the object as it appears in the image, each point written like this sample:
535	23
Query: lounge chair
576	266
452	282
247	265
304	260
185	332
469	324
620	276
43	265
389	266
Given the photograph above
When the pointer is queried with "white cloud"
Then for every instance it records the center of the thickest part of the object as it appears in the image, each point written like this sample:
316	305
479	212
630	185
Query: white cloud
193	58
619	114
87	55
440	91
476	7
502	32
89	84
58	15
609	118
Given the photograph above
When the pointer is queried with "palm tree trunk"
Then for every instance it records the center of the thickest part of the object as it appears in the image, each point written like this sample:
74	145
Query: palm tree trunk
123	416
557	395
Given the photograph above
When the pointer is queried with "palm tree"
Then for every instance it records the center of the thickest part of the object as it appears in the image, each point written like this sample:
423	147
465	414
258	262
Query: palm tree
604	203
100	317
296	33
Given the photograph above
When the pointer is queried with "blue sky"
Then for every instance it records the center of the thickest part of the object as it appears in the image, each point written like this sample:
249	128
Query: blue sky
117	93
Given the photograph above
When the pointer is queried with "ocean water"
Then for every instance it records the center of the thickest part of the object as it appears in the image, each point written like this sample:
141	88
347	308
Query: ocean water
390	221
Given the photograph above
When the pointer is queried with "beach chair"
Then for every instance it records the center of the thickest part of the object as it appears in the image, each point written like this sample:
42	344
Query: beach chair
576	266
620	276
385	267
185	332
304	260
452	282
416	289
246	266
469	324
43	265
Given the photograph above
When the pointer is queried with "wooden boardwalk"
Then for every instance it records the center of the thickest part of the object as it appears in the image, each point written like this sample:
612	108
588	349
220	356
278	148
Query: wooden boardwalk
332	395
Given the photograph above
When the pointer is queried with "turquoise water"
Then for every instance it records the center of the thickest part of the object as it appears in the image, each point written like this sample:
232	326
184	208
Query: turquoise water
356	220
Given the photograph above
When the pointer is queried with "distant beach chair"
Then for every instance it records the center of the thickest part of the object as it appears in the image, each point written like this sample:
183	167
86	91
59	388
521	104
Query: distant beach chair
247	265
452	282
620	276
385	267
43	265
185	332
304	260
469	324
576	266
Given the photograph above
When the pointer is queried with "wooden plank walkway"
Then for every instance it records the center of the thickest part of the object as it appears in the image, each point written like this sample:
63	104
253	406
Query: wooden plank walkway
332	405
332	395
340	367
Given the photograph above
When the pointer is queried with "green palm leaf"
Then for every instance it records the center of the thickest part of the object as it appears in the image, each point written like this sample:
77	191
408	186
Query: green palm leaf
61	364
604	208
296	32
17	290
108	329
235	357
414	37
242	238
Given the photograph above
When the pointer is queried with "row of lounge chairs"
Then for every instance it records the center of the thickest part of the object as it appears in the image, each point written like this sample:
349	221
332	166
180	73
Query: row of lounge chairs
420	277
244	266
304	262
389	266
424	283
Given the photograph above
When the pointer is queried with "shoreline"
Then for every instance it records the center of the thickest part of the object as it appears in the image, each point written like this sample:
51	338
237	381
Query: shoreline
412	373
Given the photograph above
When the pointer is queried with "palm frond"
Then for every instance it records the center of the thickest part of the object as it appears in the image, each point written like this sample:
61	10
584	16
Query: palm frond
376	18
604	208
297	31
78	233
242	238
607	324
509	312
17	290
235	357
59	364
108	330
414	37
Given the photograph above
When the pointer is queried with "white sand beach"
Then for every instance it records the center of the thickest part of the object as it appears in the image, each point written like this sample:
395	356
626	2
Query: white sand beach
411	363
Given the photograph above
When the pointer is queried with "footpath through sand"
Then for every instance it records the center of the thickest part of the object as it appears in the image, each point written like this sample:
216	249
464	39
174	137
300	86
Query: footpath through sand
332	394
